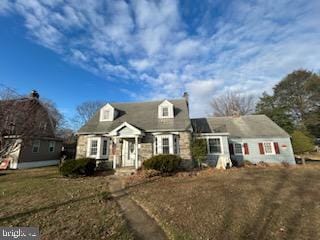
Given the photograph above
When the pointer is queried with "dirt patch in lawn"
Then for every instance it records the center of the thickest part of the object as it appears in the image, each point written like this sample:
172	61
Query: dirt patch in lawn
246	203
63	208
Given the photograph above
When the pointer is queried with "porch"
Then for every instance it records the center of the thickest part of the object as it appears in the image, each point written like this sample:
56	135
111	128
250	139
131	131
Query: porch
125	148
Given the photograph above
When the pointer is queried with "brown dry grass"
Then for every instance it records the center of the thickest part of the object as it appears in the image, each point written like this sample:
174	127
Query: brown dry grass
246	203
62	208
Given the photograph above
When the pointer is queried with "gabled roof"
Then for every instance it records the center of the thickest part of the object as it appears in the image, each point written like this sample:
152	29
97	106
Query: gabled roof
250	126
26	114
143	115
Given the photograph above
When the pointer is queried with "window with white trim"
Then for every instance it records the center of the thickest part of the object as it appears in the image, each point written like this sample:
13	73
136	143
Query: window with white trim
237	147
268	148
93	147
165	112
166	144
105	147
106	114
52	145
36	146
166	109
214	145
176	144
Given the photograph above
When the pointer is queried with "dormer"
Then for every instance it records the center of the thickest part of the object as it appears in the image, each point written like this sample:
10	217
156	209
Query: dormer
107	113
165	110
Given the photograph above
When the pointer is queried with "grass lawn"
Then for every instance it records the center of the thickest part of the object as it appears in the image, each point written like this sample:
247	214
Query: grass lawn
246	203
62	208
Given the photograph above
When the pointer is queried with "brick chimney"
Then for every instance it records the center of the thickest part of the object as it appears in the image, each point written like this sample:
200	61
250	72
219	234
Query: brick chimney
186	96
34	94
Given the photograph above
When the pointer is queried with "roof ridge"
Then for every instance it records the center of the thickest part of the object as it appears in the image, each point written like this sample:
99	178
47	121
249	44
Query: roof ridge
150	101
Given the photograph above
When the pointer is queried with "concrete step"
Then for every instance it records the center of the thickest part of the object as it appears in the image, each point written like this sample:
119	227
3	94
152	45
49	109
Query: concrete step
124	171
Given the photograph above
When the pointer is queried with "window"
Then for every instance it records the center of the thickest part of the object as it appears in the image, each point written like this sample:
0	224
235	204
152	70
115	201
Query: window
94	147
175	145
165	146
36	146
214	145
155	145
106	114
105	148
268	149
52	145
237	148
165	112
42	126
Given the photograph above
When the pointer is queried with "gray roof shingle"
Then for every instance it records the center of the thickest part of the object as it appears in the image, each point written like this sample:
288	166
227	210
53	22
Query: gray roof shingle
143	115
250	126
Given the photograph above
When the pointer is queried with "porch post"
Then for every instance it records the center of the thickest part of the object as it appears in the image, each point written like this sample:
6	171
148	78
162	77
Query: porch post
114	163
136	146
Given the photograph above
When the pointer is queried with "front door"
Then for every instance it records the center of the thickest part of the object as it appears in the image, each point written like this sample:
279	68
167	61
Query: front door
128	153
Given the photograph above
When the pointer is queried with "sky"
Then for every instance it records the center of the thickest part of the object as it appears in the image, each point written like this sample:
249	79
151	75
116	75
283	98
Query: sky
73	51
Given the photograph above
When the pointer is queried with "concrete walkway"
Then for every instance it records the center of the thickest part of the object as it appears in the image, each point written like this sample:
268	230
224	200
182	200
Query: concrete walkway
142	225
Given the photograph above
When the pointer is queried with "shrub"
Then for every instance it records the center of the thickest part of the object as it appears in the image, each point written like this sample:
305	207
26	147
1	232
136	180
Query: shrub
79	167
199	150
165	163
301	142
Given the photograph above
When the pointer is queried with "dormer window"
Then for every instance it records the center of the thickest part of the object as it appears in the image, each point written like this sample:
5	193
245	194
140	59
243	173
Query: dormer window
107	113
165	110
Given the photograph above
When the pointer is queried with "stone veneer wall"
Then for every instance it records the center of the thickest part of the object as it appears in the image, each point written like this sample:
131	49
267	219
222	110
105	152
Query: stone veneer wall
145	151
81	146
184	143
185	151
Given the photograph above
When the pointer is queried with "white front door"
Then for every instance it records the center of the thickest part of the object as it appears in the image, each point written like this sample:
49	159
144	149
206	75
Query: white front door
128	153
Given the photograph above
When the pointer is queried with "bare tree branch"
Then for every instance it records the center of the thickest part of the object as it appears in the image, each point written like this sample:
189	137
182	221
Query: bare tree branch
86	110
233	103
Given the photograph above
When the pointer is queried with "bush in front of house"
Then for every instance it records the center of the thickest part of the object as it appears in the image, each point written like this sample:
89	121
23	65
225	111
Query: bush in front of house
301	142
79	167
199	150
165	163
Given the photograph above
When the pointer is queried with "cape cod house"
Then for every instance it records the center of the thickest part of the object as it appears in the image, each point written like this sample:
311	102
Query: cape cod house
126	134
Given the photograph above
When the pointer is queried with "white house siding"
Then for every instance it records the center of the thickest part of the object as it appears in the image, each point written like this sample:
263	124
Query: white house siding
286	153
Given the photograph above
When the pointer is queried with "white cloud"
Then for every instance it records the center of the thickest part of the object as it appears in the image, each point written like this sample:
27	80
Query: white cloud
248	47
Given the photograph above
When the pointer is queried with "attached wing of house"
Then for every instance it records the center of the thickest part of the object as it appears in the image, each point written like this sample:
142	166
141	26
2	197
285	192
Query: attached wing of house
255	138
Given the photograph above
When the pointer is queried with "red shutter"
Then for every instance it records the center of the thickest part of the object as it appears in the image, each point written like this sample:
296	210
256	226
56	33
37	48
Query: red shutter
276	147
246	148
231	149
261	148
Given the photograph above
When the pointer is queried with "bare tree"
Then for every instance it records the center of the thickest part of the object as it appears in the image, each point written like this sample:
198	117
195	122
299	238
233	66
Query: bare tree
7	93
233	103
86	110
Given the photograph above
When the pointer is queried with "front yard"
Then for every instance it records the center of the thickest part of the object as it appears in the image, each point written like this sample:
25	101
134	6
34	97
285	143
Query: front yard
247	203
62	208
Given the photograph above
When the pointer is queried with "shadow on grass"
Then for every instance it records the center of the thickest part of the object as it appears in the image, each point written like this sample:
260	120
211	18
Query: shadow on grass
50	207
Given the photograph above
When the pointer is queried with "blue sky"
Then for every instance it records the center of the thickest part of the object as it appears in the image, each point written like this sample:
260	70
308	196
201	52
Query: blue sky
138	50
